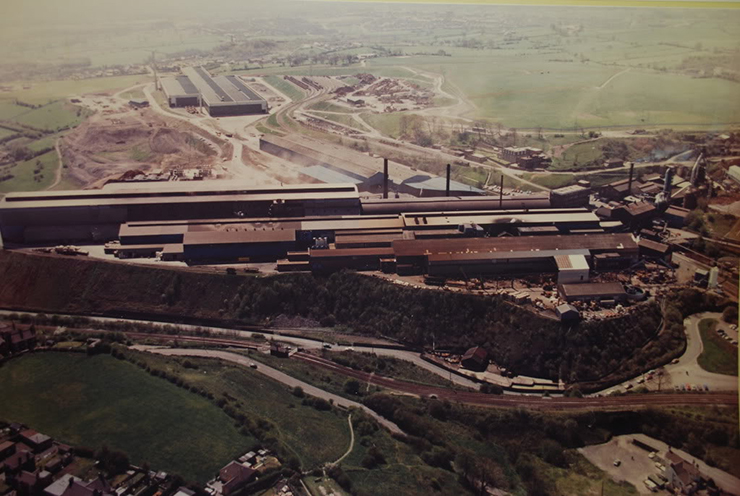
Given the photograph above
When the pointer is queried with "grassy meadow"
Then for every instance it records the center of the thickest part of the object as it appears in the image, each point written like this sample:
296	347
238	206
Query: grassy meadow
96	401
719	356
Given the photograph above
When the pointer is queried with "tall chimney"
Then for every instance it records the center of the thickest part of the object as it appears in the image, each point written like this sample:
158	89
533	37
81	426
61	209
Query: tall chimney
668	183
448	180
629	184
385	178
501	194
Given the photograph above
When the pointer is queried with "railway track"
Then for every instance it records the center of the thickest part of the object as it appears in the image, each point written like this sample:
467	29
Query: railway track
635	401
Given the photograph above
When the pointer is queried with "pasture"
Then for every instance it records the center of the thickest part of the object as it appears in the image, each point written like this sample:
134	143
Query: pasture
30	175
96	401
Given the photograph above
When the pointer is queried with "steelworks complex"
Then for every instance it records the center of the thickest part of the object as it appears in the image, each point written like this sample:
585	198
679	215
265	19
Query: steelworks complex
220	95
323	228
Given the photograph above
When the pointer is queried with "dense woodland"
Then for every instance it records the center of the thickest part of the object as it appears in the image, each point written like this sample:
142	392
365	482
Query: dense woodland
522	341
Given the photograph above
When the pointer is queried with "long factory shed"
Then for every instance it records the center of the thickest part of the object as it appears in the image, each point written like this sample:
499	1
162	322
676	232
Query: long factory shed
96	215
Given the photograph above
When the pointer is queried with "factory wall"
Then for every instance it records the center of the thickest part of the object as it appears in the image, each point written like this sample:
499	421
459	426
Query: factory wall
184	101
236	109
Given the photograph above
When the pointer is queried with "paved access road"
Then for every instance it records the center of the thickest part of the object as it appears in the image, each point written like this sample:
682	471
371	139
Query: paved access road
687	370
275	375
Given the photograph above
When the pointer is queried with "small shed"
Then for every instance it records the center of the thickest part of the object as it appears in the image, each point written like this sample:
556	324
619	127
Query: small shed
475	358
567	313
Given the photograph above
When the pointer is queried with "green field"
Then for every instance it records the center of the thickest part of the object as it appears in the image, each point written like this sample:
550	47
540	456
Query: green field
8	110
96	401
582	477
346	120
41	93
387	124
312	436
53	117
330	107
286	88
719	356
24	176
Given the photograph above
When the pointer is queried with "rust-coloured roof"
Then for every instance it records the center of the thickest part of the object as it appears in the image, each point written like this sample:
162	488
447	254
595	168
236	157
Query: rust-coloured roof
420	247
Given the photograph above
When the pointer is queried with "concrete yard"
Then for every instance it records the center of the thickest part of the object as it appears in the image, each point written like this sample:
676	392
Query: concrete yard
636	465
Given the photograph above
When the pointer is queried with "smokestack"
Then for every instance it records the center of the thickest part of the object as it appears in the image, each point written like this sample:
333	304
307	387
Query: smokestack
668	183
448	180
629	184
501	194
385	178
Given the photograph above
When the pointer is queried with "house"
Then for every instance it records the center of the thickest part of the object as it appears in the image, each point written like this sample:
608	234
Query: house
16	340
682	475
37	441
234	476
475	358
7	448
21	460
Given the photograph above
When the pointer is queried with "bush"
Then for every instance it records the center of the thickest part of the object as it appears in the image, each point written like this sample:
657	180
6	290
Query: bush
298	392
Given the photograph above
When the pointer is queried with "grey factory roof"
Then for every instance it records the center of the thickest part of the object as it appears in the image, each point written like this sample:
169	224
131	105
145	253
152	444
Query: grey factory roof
413	247
475	257
425	182
330	175
187	193
499	217
221	89
237	237
453	203
178	86
339	157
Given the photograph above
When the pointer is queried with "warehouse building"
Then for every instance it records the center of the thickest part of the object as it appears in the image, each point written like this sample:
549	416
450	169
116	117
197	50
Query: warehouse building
424	186
96	215
220	96
524	254
570	196
325	162
602	292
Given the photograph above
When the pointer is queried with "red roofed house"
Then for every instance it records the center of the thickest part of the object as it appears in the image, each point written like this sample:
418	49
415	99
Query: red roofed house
234	476
475	358
39	442
14	340
681	474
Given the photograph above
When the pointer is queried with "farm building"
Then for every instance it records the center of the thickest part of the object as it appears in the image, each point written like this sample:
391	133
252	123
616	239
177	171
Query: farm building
220	95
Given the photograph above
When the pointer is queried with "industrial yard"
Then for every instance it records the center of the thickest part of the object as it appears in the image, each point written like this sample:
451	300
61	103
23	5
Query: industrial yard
405	249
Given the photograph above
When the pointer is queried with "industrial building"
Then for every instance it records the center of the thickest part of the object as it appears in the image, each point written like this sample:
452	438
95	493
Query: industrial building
96	215
220	96
328	163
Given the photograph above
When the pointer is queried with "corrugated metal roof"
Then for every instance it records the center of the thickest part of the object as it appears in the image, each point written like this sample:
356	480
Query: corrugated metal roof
500	217
352	252
329	175
439	184
416	247
237	237
592	289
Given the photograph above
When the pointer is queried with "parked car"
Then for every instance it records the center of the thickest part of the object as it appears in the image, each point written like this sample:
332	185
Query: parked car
617	462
